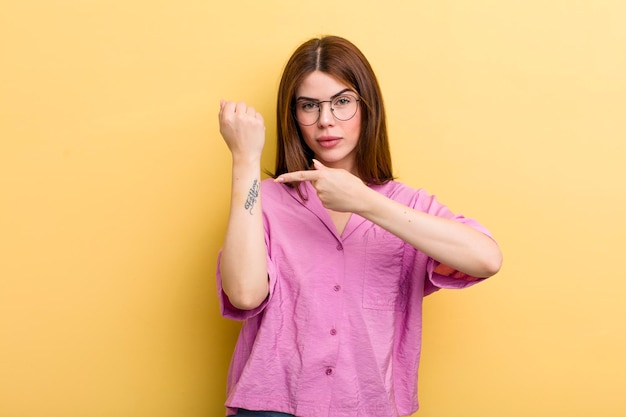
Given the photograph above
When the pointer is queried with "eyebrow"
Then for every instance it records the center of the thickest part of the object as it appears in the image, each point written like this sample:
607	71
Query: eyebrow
331	97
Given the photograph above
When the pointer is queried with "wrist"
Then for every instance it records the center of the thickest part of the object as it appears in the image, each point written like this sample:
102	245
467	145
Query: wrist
246	160
367	202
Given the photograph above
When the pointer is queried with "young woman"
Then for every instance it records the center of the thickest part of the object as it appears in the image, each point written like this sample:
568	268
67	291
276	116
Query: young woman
327	263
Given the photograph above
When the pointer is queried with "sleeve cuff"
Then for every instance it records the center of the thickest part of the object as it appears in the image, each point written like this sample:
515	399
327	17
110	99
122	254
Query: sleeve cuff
227	310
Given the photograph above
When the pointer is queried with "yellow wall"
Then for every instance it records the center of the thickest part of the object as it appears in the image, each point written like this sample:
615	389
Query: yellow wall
114	185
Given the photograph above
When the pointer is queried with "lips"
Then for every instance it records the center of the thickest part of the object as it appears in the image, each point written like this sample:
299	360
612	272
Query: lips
328	141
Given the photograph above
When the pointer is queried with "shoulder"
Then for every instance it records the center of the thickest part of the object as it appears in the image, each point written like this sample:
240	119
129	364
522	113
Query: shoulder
417	198
276	192
399	191
270	187
268	184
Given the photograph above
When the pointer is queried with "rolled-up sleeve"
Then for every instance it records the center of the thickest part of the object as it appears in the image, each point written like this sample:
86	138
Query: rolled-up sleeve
229	311
439	275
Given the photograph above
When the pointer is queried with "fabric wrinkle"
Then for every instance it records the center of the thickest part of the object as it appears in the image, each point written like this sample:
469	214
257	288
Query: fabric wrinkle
340	332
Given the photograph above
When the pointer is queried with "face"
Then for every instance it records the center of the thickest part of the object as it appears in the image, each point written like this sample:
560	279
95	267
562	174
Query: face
332	141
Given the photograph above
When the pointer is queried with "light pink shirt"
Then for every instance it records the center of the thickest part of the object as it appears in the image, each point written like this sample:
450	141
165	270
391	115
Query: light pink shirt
340	332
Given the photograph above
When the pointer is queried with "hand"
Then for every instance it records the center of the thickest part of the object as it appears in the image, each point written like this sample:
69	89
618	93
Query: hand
337	189
242	128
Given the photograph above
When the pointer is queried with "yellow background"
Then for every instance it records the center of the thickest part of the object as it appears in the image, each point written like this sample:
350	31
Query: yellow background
114	185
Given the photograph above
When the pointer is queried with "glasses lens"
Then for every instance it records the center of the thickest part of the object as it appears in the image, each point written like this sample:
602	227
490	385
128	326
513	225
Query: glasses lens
344	107
307	112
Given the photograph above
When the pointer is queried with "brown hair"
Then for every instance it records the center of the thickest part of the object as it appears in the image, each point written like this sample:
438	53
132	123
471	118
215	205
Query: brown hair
341	59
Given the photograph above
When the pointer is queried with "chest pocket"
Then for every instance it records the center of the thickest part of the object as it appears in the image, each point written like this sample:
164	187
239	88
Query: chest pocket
384	281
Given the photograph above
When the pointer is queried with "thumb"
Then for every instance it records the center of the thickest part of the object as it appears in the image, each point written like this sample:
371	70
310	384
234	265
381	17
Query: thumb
318	165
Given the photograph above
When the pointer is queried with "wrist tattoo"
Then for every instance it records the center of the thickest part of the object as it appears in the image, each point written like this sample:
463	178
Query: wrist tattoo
253	195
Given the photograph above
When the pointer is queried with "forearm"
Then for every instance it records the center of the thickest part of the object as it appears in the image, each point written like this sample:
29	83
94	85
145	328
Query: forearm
243	263
452	243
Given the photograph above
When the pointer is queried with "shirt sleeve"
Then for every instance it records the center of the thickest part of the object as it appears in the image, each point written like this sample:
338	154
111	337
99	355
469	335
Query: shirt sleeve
440	275
231	312
226	308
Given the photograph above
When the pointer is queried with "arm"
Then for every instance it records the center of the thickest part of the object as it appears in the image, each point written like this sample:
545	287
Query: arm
243	263
451	243
454	244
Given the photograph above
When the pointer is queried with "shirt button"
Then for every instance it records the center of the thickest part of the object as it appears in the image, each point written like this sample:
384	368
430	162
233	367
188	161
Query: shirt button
339	246
337	287
329	371
333	332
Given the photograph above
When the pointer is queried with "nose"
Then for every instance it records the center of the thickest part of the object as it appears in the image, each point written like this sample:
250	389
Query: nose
326	114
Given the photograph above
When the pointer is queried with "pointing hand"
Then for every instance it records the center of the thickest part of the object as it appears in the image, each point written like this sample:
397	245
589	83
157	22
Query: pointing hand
337	189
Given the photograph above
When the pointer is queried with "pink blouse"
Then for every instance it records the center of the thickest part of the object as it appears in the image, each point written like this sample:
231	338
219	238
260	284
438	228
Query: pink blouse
340	333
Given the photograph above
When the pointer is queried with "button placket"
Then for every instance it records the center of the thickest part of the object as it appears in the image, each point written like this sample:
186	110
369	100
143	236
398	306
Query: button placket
329	369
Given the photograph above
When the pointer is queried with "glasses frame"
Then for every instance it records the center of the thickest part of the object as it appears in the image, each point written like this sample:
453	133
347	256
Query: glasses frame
332	109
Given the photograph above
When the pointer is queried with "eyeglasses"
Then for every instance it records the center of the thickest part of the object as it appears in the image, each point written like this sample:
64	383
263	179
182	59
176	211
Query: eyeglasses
342	107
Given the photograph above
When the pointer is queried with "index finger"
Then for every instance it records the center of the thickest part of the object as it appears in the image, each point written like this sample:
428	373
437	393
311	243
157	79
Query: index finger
297	176
226	106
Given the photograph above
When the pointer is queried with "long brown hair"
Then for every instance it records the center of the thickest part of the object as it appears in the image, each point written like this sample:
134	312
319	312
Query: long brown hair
341	59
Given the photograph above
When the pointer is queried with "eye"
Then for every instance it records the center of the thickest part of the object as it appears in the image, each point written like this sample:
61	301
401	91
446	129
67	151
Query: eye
308	106
343	101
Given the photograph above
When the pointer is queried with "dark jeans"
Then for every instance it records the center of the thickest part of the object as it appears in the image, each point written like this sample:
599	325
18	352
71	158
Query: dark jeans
247	413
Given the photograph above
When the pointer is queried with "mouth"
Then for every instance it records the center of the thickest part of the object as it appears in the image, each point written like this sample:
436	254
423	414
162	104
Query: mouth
328	141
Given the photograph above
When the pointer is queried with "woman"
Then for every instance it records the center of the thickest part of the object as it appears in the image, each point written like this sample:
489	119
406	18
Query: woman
328	262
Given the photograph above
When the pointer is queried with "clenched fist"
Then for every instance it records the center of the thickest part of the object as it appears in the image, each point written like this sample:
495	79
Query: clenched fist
242	128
